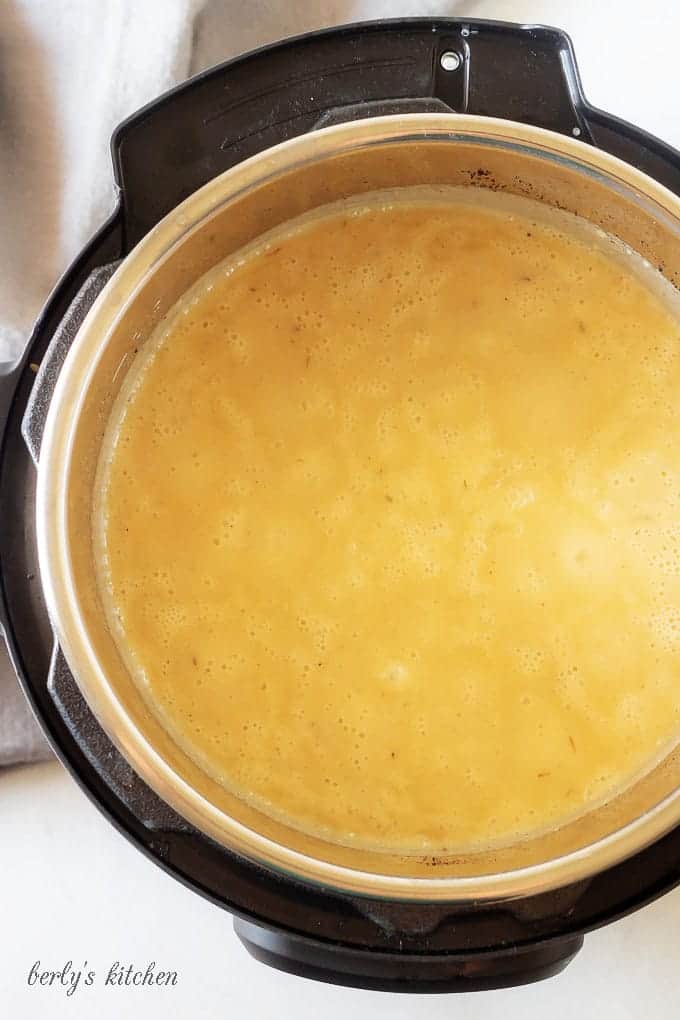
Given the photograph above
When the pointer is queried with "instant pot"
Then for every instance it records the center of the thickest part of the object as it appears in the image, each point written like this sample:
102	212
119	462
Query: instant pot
200	172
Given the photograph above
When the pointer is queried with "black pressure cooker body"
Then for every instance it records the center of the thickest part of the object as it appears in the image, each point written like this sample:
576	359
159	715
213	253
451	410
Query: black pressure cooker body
161	155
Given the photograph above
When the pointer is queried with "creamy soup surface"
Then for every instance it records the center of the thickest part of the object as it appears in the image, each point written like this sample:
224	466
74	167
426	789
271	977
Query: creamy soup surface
389	521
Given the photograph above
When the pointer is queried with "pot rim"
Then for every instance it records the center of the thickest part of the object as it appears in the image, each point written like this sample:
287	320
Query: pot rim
52	497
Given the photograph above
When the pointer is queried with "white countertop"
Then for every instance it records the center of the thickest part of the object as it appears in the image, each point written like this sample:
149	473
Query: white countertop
72	888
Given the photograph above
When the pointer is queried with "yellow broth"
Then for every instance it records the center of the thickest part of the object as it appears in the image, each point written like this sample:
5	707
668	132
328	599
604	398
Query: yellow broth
388	521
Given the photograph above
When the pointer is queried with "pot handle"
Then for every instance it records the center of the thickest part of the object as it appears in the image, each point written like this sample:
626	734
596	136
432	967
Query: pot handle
10	373
169	149
103	757
47	372
526	73
404	971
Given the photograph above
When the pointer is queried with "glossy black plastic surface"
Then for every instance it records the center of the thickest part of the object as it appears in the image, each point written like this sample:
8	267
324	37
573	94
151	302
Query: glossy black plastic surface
433	972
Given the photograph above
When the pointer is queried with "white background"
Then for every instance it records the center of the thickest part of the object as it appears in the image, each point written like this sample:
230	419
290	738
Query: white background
72	888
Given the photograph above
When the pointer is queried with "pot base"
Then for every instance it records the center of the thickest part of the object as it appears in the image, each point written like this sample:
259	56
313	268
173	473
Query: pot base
401	971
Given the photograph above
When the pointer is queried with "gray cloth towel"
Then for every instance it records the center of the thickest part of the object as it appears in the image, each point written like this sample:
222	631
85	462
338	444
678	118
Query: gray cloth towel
20	738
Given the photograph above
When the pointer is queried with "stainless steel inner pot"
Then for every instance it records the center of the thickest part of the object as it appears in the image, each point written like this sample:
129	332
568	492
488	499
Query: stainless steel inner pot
230	211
